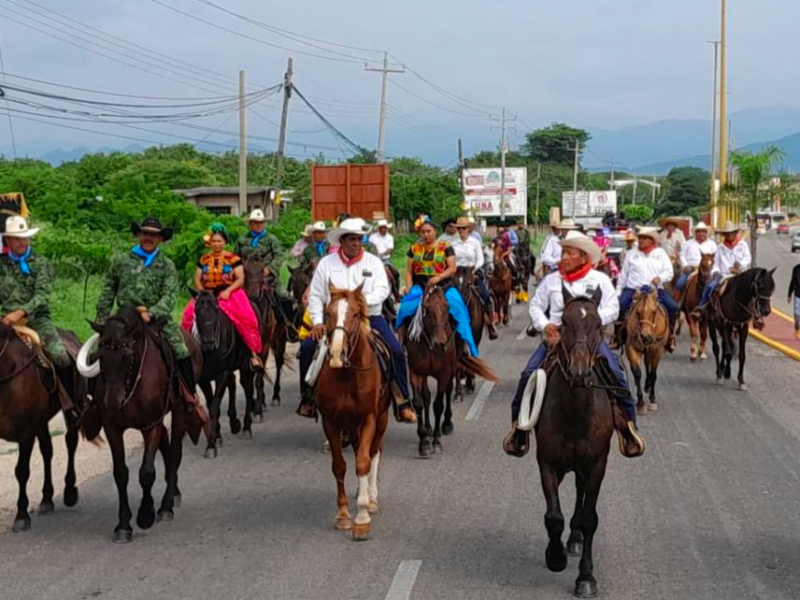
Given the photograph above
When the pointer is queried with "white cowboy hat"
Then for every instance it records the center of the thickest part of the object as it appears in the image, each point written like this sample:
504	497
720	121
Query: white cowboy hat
18	227
257	215
730	227
355	225
318	226
567	224
576	239
701	226
651	232
383	223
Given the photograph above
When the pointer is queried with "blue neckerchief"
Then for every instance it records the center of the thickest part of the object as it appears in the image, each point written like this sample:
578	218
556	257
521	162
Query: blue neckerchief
22	260
256	237
148	258
320	248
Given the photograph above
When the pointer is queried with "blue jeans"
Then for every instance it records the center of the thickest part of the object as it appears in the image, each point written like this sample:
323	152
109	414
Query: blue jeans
627	403
483	288
709	289
458	310
381	326
680	285
665	299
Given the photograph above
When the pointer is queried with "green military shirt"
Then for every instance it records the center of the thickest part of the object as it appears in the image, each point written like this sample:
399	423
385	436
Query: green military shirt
30	293
312	255
268	248
130	283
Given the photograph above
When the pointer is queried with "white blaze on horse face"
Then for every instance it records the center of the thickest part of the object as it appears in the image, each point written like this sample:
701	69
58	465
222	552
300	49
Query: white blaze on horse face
583	313
337	344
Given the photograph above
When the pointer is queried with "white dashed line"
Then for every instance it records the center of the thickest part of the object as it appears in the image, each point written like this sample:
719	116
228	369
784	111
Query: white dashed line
480	400
404	580
522	335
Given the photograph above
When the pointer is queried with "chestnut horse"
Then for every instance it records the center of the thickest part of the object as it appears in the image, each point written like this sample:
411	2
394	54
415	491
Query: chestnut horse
647	332
352	397
574	434
465	279
27	403
500	284
698	328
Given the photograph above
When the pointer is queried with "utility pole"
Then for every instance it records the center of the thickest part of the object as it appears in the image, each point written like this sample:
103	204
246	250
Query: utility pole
653	200
723	116
538	181
242	147
714	140
635	188
575	178
503	151
381	156
287	94
613	182
461	169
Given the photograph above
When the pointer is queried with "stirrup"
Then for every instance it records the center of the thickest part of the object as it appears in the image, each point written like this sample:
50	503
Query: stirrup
631	442
513	446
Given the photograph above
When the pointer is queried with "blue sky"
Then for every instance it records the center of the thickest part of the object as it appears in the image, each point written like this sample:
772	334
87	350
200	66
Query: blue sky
596	63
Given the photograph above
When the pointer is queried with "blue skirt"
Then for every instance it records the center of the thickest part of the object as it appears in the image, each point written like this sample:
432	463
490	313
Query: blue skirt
458	310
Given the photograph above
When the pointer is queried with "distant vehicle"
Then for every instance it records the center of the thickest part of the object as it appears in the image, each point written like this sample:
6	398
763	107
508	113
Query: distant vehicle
796	242
783	228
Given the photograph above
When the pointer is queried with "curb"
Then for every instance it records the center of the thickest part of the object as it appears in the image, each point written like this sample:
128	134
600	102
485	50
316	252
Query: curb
791	353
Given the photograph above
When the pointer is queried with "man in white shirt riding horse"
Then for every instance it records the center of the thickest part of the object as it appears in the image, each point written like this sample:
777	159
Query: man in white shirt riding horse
692	254
550	254
732	257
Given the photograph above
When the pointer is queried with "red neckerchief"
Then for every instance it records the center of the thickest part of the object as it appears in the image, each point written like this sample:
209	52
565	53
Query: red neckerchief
649	250
732	244
349	262
575	275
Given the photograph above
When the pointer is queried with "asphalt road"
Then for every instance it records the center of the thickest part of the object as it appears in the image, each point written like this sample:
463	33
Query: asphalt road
775	251
711	511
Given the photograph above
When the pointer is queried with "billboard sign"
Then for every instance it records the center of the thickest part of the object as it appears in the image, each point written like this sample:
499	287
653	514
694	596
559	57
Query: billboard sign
482	192
588	204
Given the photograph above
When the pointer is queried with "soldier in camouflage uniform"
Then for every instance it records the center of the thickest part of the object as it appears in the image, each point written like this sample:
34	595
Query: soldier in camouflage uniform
318	247
258	241
147	279
26	282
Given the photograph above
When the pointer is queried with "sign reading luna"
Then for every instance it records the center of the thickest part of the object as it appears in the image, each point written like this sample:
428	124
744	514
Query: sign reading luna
482	191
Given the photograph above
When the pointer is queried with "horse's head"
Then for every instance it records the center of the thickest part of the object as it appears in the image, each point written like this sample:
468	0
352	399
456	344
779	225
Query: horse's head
706	264
464	279
498	254
581	334
436	316
346	313
645	311
300	279
117	351
207	318
253	276
762	290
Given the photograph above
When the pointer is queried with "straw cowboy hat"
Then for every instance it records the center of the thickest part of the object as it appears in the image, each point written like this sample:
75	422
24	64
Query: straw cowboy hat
651	232
701	226
567	224
17	226
730	227
152	225
630	236
318	226
579	241
462	222
664	221
382	222
356	225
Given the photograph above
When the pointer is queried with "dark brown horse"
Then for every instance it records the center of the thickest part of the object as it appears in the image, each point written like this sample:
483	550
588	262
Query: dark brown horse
574	434
299	280
501	283
647	332
353	399
28	401
698	327
745	297
465	280
137	387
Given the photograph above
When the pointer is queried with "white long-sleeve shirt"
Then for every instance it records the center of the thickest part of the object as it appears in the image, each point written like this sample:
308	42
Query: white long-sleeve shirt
551	252
332	271
469	253
727	257
384	243
641	269
673	246
549	295
693	252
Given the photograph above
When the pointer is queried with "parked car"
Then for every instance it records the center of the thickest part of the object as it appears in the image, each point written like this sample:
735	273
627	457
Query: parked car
783	228
796	242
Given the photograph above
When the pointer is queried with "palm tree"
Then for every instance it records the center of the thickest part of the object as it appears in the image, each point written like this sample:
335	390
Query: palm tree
754	168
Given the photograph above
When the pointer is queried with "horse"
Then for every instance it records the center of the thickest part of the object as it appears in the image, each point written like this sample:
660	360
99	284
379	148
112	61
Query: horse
28	403
647	329
573	433
745	297
274	329
465	280
352	396
299	280
437	354
500	284
137	388
224	353
698	328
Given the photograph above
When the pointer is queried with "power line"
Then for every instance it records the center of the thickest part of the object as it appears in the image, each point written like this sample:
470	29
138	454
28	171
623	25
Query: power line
434	104
10	120
356	149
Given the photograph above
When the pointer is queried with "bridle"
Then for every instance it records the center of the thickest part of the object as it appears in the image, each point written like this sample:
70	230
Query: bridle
217	336
350	341
436	327
651	322
131	364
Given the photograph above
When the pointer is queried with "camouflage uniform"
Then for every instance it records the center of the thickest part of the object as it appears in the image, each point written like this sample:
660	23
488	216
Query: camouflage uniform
31	293
130	283
311	254
268	249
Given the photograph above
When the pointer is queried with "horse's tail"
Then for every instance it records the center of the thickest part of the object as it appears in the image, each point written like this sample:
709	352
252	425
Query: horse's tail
475	366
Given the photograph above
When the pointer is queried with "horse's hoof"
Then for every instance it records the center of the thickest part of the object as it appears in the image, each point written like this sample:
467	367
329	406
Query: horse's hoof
361	532
719	382
458	398
247	434
166	516
71	496
146	519
219	441
46	508
437	447
743	387
236	426
343	524
447	429
693	358
258	418
641	410
585	589
122	536
704	356
210	453
556	563
275	402
653	407
574	548
425	449
21	525
176	500
373	508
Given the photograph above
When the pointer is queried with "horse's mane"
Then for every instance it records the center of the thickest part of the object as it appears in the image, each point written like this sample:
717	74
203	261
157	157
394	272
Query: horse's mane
129	316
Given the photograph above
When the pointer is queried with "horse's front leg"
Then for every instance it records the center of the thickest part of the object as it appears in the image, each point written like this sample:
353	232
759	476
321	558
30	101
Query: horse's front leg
438	409
233	419
555	556
634	358
215	437
247	377
70	480
362	522
575	541
279	352
123	532
703	326
743	333
586	584
653	361
339	466
146	515
694	333
727	351
22	522
712	328
46	448
165	511
447	424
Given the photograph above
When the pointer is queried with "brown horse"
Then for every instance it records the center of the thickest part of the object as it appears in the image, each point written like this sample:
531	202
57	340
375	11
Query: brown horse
574	434
501	283
465	279
28	401
647	329
353	399
136	389
698	328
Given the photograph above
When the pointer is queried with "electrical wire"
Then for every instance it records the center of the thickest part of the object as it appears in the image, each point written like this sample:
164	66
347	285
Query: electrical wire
10	120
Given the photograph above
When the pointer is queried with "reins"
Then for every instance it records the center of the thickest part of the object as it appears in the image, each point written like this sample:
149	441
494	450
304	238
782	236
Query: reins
19	369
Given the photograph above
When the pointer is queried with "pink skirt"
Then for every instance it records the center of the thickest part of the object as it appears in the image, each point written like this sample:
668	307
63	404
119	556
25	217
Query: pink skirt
239	310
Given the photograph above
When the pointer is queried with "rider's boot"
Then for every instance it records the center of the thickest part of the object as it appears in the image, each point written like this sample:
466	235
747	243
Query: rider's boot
616	342
670	347
307	407
66	375
517	442
631	442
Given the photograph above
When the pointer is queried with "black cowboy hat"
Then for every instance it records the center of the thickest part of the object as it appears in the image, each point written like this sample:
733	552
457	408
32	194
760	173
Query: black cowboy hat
447	222
152	225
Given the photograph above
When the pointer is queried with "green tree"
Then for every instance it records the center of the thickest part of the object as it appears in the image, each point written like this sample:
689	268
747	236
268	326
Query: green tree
555	144
684	188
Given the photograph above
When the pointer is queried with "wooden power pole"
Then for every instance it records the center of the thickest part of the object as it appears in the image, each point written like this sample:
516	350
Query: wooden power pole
723	117
242	147
287	94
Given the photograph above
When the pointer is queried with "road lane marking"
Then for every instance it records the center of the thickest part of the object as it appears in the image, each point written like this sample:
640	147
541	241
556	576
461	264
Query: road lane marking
480	400
404	580
522	335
